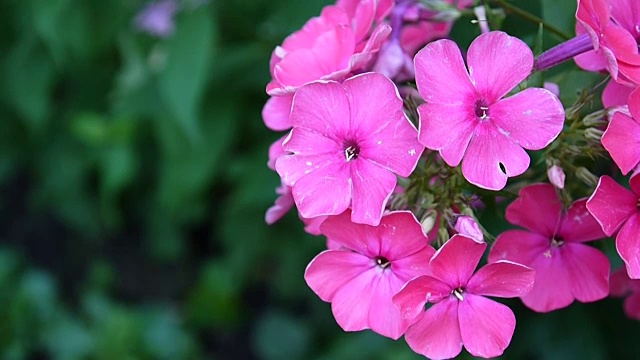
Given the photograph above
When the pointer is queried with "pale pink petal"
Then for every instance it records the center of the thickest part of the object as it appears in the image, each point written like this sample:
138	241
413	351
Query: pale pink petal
503	279
456	260
488	151
615	94
352	302
312	225
412	298
373	98
486	326
384	317
622	141
592	60
497	63
541	201
275	150
441	76
532	118
304	142
372	186
552	288
364	53
628	244
556	176
275	112
447	128
327	191
400	235
611	204
578	225
437	334
323	107
588	270
333	269
283	204
632	306
518	246
357	237
293	167
466	225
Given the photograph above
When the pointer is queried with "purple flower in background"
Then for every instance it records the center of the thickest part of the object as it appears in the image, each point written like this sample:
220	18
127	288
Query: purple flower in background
156	18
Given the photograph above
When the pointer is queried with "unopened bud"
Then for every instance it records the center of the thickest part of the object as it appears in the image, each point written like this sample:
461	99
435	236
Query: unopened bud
553	87
586	176
429	221
593	134
467	226
443	235
595	119
556	176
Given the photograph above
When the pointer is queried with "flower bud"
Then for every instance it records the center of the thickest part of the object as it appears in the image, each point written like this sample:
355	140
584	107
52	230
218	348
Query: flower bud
595	119
429	221
593	134
556	176
586	176
467	226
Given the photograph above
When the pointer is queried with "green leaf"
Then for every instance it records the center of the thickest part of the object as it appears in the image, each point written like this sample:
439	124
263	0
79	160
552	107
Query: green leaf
188	62
561	14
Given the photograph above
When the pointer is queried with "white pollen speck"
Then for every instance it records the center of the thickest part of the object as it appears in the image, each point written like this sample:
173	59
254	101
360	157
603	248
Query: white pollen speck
307	171
379	142
412	152
309	163
527	112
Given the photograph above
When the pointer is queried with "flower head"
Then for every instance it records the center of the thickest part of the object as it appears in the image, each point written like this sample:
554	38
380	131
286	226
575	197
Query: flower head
466	117
615	207
460	314
552	244
348	142
365	266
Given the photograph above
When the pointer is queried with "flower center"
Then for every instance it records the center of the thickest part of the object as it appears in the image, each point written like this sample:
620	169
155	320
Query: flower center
383	262
557	241
458	293
351	150
481	110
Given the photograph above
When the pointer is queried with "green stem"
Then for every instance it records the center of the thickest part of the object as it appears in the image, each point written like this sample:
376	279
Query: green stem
532	18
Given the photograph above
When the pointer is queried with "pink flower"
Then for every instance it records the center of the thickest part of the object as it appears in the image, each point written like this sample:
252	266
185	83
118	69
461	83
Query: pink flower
348	142
623	286
465	115
566	269
365	267
612	27
615	207
622	137
461	315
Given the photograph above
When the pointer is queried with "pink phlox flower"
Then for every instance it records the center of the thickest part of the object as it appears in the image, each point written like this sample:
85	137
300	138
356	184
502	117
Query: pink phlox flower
365	266
622	137
613	29
616	209
553	245
622	286
466	116
461	314
326	48
348	142
468	226
364	14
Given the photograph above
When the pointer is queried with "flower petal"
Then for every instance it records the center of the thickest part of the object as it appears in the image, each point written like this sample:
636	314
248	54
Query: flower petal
611	204
518	246
486	326
615	94
578	225
489	151
414	265
503	279
456	260
372	186
373	99
622	141
542	201
437	334
352	302
588	270
447	128
340	230
628	244
632	306
400	235
497	63
532	118
384	316
275	112
441	76
552	286
323	107
412	298
333	269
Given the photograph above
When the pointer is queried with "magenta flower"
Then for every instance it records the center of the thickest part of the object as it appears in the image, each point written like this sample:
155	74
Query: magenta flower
365	267
465	115
552	244
615	207
622	137
460	314
348	142
623	286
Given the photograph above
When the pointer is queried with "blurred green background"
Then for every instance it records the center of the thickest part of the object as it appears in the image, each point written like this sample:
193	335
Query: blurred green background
134	184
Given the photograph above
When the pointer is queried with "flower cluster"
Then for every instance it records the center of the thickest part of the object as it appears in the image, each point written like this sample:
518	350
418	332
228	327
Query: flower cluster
394	144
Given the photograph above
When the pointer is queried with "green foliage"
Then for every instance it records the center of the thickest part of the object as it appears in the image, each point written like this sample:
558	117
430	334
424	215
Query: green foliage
134	186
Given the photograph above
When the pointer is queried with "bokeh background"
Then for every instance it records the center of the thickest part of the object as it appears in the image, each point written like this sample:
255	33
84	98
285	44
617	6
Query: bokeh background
133	187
